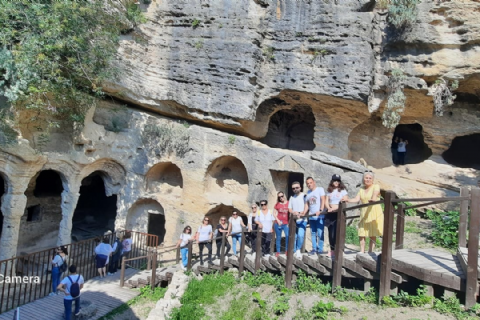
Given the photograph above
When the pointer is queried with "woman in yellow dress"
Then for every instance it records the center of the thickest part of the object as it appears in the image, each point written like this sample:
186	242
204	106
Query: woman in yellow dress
371	218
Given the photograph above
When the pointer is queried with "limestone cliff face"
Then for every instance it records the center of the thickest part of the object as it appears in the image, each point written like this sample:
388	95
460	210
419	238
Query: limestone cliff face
233	64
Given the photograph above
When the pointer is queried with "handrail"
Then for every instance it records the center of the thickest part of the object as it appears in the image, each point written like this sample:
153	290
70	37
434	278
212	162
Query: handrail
364	205
443	199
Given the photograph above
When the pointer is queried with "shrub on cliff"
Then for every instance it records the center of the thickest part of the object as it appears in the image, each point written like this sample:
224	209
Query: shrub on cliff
54	56
402	12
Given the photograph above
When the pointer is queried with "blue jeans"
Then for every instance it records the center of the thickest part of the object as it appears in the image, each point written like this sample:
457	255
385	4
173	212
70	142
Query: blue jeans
278	235
300	234
68	307
317	234
55	278
235	238
184	253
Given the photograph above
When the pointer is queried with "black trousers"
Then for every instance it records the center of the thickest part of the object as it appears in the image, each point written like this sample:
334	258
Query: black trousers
201	245
401	157
113	265
332	232
266	241
219	246
252	237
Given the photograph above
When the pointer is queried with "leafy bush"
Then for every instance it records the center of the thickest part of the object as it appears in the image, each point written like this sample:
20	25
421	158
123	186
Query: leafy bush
281	306
55	56
263	278
307	283
402	12
445	228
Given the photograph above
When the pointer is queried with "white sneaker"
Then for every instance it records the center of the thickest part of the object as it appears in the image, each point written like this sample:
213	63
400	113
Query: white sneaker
110	274
267	255
51	294
183	268
298	255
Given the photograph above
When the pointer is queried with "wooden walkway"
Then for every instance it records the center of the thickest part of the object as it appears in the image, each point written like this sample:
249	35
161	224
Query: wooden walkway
105	293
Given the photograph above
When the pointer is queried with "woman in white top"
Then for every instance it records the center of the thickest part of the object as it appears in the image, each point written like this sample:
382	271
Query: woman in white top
235	229
336	192
252	227
103	251
265	221
57	261
204	238
185	237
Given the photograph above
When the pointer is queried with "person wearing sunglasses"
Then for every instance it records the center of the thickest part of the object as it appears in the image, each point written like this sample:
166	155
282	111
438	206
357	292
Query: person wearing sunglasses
235	229
204	238
298	207
222	228
315	200
185	237
336	191
280	213
265	221
252	227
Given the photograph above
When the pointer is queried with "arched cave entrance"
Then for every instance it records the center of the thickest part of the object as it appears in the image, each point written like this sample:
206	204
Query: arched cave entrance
147	215
2	192
164	177
95	212
291	129
417	150
226	180
223	210
39	225
464	152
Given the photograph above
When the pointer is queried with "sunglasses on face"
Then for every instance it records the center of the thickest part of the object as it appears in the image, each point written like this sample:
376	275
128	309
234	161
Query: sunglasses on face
222	219
254	207
296	188
282	196
263	204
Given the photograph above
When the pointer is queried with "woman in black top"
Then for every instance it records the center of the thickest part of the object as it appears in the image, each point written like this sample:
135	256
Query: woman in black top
222	228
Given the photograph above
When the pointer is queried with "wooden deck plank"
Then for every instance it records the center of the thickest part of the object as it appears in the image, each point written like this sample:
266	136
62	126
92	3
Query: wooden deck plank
106	293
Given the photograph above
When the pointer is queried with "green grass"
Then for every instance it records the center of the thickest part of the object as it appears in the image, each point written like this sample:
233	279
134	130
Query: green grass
146	295
351	237
200	293
411	227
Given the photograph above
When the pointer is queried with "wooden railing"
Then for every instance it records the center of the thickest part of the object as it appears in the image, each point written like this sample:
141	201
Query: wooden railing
36	267
392	206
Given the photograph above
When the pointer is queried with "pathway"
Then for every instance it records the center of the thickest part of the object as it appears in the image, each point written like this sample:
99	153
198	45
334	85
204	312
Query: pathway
105	293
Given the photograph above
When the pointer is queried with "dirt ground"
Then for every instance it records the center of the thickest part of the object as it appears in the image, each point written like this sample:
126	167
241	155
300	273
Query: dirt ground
138	311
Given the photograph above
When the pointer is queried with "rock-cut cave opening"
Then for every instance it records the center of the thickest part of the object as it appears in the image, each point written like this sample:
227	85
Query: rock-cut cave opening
417	150
95	212
223	210
48	184
464	152
147	215
291	129
2	192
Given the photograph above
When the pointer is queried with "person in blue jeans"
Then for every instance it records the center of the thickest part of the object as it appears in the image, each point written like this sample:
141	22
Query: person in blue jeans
235	228
298	207
281	215
315	200
57	261
65	286
182	243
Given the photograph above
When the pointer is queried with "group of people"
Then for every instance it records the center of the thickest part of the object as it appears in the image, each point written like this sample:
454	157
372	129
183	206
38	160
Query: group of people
315	207
399	150
105	254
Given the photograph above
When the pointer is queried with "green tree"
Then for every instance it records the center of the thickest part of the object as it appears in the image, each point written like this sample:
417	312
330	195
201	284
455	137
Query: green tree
54	56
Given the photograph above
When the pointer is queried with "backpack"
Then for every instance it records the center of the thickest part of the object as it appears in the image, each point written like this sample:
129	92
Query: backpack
74	288
63	267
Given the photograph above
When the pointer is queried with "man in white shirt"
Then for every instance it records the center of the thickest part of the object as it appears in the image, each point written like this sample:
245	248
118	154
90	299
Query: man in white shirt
65	286
298	207
315	200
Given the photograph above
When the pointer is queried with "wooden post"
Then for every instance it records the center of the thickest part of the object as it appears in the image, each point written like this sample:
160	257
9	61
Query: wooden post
472	270
400	226
242	254
258	249
153	280
462	226
386	259
222	252
274	239
190	253
149	258
122	273
177	257
339	246
290	251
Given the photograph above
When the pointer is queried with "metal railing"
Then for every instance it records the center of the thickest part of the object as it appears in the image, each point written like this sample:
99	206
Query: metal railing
28	278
